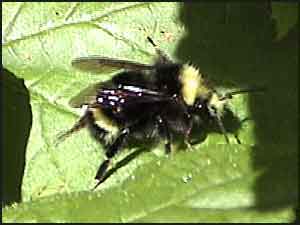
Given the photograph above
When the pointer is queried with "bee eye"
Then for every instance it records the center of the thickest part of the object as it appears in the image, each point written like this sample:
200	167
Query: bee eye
199	104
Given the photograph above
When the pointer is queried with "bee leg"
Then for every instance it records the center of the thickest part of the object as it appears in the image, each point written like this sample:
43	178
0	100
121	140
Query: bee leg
238	140
97	132
163	128
187	134
101	171
85	120
110	153
118	143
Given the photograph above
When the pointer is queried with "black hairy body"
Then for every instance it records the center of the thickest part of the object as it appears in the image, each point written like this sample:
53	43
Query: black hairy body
145	97
144	101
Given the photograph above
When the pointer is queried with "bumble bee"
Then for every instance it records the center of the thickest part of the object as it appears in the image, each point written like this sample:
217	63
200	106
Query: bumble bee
142	101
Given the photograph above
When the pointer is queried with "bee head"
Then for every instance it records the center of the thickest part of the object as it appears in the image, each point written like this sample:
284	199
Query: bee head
203	100
213	105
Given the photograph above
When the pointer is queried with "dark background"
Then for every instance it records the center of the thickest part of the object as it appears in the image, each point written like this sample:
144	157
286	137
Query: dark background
236	47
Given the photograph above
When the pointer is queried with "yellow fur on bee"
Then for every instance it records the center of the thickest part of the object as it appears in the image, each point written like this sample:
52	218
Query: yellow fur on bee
192	84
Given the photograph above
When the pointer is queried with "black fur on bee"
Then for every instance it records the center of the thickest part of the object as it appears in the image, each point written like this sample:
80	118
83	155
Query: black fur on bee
143	101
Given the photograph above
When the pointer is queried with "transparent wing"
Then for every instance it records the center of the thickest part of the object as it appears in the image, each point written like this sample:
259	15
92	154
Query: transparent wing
99	64
86	96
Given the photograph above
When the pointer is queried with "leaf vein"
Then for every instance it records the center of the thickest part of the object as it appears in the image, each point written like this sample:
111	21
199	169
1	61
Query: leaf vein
45	52
129	42
11	23
48	29
52	157
71	11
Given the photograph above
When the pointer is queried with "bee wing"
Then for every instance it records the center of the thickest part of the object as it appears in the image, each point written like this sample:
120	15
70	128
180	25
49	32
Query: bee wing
130	96
86	96
99	64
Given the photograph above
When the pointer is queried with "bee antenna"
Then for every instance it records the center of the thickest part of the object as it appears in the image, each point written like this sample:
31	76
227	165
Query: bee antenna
163	57
151	41
229	95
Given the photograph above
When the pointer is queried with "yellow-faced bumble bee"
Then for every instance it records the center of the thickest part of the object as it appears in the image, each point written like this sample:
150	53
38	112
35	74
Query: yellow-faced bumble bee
143	101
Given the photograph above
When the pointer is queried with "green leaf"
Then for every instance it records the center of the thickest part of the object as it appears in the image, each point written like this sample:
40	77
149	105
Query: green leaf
231	43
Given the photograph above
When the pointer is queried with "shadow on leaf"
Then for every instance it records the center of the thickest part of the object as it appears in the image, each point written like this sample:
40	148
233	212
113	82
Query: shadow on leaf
232	44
